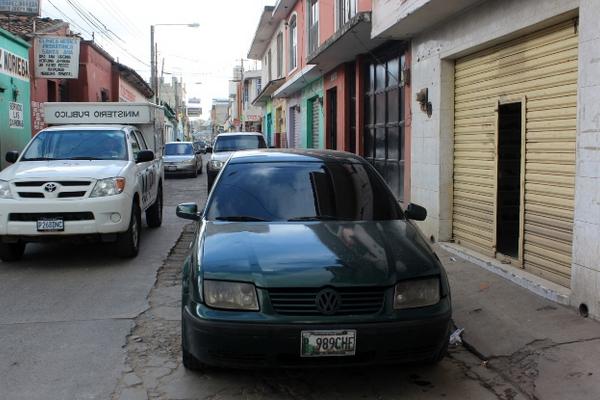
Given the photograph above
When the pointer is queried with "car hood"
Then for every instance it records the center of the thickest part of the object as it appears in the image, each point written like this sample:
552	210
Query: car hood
315	254
65	169
221	156
178	159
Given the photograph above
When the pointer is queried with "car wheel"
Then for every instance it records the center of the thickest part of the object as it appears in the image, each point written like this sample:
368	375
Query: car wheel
128	243
195	173
154	213
201	169
11	251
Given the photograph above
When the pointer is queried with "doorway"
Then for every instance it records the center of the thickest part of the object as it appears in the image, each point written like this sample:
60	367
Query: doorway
332	119
508	212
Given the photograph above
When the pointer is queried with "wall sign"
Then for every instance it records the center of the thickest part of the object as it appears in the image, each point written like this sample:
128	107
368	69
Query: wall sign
14	65
21	7
56	57
15	115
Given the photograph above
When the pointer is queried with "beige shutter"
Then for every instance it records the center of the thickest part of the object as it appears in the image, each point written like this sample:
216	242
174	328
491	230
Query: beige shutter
316	113
541	70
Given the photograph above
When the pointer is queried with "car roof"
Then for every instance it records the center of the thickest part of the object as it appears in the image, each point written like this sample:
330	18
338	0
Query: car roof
294	155
240	134
88	127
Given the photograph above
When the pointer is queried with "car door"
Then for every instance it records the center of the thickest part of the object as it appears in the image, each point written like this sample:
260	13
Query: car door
146	171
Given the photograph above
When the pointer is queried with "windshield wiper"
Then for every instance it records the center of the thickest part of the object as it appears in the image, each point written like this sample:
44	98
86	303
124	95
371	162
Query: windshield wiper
315	218
39	159
83	158
239	218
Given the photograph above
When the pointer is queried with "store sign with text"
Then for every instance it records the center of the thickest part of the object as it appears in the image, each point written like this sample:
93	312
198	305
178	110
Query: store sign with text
14	65
56	57
15	115
20	7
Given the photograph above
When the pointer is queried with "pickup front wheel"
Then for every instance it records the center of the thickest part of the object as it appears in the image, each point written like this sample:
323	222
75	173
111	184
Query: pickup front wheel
11	251
154	213
128	243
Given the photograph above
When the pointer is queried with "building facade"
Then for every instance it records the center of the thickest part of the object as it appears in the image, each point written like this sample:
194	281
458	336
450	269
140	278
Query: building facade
505	135
15	102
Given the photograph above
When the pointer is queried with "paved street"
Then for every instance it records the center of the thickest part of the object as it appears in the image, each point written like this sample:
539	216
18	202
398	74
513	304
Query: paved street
80	323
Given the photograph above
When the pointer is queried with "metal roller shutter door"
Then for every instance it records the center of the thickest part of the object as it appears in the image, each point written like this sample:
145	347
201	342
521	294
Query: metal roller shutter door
297	128
316	113
541	68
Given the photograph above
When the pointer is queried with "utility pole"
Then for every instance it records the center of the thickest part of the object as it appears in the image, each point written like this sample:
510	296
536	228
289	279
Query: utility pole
242	103
152	66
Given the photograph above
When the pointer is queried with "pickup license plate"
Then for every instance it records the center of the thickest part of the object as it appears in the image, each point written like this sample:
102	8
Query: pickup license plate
171	168
50	225
328	343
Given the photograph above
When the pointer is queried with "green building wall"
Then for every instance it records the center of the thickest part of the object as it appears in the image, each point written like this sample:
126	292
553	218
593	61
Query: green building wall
13	89
309	93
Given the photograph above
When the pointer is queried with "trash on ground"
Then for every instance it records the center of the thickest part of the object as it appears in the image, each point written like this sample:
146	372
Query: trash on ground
455	338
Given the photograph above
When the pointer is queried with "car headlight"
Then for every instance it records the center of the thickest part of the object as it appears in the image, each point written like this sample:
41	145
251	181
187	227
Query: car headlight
417	293
108	187
230	295
216	164
5	192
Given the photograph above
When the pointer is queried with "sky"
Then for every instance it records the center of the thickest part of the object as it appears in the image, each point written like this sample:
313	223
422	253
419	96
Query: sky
204	57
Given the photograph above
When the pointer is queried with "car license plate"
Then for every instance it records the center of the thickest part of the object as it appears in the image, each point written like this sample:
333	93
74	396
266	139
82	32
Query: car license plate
328	343
50	225
171	168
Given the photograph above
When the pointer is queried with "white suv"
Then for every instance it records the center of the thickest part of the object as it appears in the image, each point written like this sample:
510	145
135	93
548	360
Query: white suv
91	181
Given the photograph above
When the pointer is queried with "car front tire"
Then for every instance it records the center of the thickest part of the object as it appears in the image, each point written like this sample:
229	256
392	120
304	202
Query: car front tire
128	242
10	252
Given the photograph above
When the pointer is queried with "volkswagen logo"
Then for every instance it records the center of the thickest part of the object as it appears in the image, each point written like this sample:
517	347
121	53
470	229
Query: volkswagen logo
50	187
328	301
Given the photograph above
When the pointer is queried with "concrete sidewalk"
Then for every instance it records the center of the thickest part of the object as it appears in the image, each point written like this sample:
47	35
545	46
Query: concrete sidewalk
548	350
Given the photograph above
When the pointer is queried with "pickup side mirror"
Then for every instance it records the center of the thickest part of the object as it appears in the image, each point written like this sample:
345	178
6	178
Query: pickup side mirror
144	156
12	156
188	211
415	212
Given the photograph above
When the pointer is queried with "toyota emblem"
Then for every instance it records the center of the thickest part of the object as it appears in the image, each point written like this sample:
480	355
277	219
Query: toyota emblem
50	187
328	301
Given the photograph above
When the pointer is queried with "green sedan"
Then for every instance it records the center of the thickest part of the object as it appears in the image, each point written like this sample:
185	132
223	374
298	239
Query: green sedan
305	258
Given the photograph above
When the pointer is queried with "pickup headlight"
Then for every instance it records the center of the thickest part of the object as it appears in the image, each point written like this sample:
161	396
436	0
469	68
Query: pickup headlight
108	187
230	295
417	293
215	164
5	192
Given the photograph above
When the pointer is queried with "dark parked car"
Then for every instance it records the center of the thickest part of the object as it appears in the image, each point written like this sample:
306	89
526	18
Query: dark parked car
305	258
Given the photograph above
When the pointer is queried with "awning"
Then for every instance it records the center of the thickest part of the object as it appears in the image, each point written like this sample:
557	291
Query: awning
267	91
351	40
305	77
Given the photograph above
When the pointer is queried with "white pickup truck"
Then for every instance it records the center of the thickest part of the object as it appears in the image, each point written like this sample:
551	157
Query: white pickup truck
86	180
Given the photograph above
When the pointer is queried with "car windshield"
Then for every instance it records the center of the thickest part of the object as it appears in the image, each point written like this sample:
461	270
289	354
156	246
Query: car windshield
239	142
301	191
178	149
77	145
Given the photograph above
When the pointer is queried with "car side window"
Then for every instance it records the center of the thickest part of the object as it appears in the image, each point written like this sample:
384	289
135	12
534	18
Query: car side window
135	146
141	140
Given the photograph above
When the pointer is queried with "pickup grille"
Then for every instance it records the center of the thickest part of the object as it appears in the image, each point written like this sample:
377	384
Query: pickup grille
303	301
68	216
62	183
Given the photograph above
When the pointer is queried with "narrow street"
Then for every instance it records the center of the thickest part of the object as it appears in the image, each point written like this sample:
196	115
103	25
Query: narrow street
113	328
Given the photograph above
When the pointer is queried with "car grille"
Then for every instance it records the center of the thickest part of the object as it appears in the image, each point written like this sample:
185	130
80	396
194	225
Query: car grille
303	302
31	195
68	216
62	183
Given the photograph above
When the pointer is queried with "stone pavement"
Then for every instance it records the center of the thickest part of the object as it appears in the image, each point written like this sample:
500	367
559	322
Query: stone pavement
549	351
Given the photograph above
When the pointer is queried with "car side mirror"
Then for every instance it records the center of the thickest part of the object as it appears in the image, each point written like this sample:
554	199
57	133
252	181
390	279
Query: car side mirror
415	212
144	156
188	211
198	151
12	156
209	149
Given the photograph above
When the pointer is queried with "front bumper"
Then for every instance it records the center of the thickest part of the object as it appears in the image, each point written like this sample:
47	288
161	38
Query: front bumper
254	344
102	209
180	169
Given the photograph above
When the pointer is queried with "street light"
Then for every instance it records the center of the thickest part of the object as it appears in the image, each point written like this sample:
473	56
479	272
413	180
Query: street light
153	61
